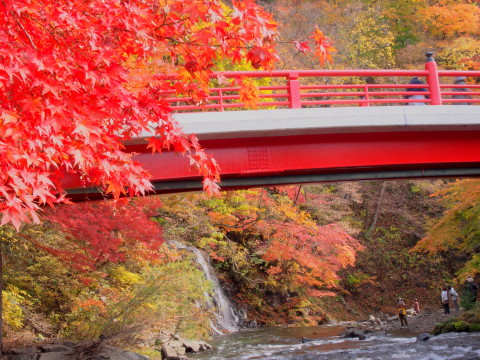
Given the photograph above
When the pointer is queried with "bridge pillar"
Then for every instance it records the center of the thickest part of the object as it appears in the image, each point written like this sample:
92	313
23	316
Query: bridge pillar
433	80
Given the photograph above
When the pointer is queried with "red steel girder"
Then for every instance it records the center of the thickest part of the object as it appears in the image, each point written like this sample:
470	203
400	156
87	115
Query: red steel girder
290	156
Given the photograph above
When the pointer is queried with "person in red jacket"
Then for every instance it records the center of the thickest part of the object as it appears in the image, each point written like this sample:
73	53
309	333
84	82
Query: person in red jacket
416	306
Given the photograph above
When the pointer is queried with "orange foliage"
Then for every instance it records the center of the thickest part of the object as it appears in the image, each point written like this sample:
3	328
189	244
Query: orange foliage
448	18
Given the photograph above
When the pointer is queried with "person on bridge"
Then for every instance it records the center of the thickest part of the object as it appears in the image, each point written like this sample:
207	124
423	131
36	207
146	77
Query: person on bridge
416	81
461	80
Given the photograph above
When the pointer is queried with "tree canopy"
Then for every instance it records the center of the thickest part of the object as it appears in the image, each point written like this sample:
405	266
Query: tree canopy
66	103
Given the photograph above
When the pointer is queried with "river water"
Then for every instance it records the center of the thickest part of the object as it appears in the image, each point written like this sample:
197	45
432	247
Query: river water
286	344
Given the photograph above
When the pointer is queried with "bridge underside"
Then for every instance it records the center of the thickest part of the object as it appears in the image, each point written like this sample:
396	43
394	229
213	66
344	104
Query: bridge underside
299	159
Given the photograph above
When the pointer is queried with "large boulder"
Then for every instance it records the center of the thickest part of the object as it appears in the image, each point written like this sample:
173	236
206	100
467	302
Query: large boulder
64	352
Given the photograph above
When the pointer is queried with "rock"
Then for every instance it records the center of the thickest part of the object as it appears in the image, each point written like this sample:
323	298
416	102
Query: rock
128	355
26	351
371	318
54	348
423	337
305	340
378	322
353	333
55	355
175	344
392	318
180	350
192	346
204	345
21	357
362	337
168	352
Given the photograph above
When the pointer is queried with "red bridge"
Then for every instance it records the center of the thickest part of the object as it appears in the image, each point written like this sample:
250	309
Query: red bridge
328	125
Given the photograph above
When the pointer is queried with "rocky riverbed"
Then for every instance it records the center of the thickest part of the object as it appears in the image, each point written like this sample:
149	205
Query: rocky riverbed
421	323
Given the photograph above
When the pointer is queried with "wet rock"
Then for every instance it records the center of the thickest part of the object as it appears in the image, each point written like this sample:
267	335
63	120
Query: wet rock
305	340
423	337
353	333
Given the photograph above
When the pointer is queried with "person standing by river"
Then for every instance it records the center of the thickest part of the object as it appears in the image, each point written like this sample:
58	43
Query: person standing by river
454	297
416	306
402	312
470	291
445	301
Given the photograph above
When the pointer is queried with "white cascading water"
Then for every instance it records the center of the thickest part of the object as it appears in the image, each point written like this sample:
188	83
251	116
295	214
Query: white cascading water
225	315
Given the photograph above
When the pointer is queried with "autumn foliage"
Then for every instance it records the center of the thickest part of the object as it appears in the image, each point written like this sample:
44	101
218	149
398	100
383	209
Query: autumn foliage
457	231
98	233
267	242
66	103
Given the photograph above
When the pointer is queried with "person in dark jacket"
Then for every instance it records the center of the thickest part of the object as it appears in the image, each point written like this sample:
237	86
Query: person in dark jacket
416	81
471	293
461	80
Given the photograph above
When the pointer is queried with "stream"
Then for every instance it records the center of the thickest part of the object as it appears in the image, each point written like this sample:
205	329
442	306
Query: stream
286	344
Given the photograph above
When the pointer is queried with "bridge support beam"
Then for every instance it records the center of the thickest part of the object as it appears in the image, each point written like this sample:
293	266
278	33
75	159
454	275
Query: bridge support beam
249	162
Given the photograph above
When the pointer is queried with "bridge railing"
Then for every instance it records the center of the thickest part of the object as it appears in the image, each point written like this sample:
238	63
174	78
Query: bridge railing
328	88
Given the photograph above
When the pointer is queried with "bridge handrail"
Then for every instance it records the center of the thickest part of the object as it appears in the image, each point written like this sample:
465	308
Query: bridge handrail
319	91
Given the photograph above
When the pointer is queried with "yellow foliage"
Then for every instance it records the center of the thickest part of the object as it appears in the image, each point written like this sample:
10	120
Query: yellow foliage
123	276
13	300
459	49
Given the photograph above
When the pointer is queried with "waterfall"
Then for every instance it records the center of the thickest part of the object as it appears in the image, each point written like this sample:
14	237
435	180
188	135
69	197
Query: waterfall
225	315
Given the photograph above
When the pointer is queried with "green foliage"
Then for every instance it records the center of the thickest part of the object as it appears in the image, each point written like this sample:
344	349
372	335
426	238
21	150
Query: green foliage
165	293
469	321
461	326
354	281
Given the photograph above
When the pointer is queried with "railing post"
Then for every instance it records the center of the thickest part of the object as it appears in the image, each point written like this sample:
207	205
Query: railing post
220	100
433	80
366	98
294	91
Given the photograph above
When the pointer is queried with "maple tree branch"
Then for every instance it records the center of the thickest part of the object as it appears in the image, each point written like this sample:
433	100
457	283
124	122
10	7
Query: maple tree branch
238	226
46	29
23	29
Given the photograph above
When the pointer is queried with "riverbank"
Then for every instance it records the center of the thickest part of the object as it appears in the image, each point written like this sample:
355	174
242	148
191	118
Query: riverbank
424	322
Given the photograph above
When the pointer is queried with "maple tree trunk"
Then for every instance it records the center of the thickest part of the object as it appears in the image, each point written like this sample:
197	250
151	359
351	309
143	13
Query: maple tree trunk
297	195
377	209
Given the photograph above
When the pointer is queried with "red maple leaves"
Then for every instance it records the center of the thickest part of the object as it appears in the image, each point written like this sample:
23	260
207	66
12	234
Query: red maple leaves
65	101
